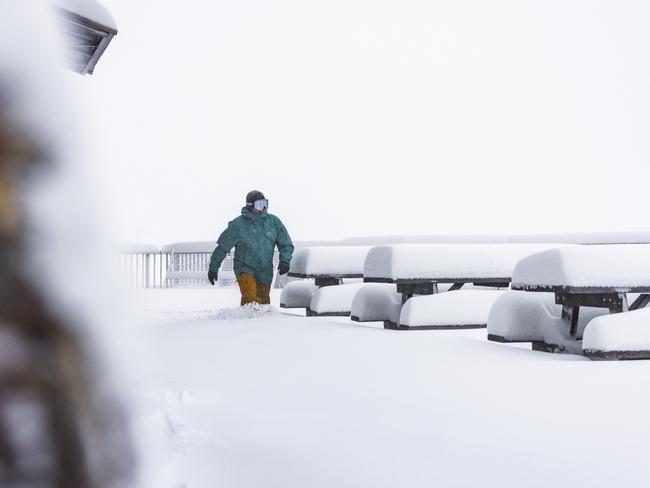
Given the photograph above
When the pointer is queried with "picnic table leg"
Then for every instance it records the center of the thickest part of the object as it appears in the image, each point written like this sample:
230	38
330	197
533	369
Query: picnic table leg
571	313
641	302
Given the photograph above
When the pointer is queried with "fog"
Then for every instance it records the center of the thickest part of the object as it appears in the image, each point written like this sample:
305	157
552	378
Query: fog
362	117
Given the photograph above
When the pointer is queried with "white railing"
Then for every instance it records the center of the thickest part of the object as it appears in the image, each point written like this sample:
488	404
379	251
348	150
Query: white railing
142	269
178	264
191	269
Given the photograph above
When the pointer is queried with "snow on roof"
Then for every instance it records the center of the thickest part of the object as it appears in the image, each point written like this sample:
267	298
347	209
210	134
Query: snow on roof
453	308
441	261
329	260
616	265
89	9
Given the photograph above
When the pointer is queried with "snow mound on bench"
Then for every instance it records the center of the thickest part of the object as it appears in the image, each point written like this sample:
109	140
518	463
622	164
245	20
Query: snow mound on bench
335	299
521	316
377	302
627	331
329	260
453	308
297	294
431	261
617	265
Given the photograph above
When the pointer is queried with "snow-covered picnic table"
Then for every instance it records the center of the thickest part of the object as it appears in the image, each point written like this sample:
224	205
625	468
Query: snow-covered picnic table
329	265
417	269
588	276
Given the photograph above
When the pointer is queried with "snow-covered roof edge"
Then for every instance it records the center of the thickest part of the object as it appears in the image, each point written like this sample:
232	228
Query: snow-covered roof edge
92	10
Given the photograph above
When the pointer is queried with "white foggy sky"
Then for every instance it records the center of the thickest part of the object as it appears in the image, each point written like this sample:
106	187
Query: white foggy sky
360	117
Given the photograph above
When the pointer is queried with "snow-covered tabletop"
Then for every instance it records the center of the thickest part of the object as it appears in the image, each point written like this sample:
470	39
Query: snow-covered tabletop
446	262
617	267
329	261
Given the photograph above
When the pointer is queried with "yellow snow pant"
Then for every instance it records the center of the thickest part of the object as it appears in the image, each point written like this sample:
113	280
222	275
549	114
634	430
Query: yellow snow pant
252	290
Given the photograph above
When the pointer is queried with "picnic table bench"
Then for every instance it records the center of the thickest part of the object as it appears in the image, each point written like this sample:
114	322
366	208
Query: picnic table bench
326	301
598	276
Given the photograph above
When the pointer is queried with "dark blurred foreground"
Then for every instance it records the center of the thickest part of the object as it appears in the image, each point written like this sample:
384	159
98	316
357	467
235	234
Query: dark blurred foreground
59	426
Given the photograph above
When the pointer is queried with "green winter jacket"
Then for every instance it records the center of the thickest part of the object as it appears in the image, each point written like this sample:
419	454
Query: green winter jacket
254	237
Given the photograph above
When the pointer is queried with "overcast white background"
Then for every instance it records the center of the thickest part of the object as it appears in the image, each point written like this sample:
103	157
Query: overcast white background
363	117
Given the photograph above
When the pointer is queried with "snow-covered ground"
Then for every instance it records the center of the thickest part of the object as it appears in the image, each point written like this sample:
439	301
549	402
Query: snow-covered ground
288	401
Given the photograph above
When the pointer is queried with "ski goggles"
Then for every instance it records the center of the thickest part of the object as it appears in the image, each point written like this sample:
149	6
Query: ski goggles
260	205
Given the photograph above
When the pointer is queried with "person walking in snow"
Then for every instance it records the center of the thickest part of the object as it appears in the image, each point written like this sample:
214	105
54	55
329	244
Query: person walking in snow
254	235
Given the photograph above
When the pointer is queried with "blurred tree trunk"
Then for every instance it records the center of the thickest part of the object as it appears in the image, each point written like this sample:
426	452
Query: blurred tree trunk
54	430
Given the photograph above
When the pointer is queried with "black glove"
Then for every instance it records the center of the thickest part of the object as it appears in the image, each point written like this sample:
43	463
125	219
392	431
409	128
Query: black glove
283	268
212	277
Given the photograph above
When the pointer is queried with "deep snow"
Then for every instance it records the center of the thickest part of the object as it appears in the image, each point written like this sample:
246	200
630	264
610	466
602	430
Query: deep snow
288	401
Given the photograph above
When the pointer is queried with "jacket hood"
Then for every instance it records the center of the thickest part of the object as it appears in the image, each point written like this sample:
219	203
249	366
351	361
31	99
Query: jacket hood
249	214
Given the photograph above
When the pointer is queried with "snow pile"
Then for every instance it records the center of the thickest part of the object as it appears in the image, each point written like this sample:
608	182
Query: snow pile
376	302
89	9
297	294
245	312
628	331
447	261
335	299
329	261
450	309
617	265
520	316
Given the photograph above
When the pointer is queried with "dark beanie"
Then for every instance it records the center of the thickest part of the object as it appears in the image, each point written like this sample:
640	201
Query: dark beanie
253	196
